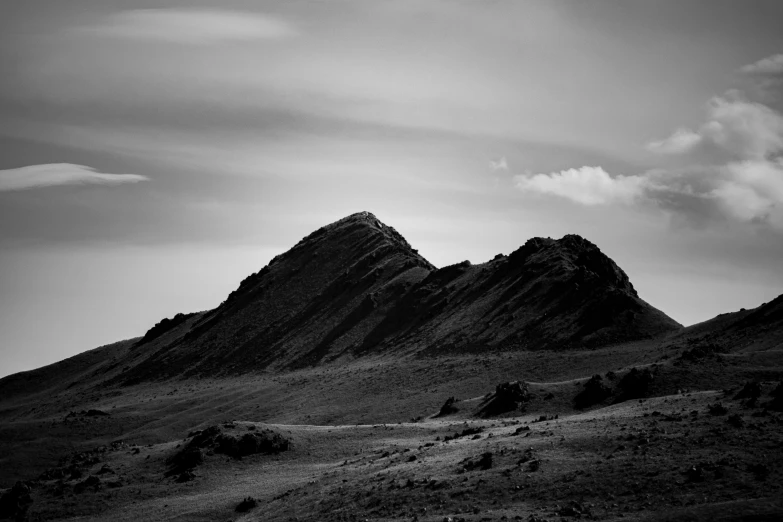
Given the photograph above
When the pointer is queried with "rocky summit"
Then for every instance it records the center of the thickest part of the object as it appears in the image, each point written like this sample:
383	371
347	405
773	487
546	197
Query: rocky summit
356	287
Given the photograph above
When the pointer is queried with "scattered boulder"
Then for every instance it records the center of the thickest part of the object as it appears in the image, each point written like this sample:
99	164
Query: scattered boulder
635	384
266	441
482	463
701	352
220	440
105	469
246	505
508	396
594	391
185	460
448	407
474	430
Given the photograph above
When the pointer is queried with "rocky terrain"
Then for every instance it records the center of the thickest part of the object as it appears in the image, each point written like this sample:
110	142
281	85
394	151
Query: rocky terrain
352	380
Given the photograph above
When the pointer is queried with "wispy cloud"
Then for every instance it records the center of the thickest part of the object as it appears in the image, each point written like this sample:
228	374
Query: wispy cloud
191	26
771	65
681	141
498	164
52	174
586	185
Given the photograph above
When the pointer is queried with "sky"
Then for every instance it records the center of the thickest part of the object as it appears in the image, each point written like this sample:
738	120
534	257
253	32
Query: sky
153	154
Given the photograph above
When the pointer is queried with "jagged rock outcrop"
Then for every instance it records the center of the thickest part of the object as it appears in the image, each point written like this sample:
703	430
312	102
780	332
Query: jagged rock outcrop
356	287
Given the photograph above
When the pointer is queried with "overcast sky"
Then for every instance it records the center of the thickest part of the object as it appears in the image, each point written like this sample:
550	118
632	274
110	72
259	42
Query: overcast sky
153	154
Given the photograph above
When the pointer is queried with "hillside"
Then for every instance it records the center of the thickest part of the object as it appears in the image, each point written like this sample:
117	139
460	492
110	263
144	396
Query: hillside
356	287
348	345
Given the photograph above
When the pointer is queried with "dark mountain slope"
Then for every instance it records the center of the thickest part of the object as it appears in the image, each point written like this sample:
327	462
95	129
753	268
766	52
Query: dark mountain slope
547	294
756	329
356	287
63	375
314	301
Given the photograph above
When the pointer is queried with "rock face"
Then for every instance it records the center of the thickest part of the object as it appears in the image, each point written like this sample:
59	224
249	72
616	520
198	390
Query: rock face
508	396
356	287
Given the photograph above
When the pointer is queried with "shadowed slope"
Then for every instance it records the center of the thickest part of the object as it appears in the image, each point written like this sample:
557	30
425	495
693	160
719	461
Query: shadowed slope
547	294
356	287
314	301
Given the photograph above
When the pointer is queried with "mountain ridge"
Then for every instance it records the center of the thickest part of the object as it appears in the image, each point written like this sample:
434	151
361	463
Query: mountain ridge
356	287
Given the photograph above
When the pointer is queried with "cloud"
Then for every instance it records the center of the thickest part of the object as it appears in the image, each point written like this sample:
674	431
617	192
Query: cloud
753	190
769	66
192	26
586	185
683	140
52	174
742	128
739	177
499	164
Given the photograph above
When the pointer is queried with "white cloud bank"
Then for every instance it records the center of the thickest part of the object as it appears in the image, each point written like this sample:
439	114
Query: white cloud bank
741	178
192	26
742	128
53	174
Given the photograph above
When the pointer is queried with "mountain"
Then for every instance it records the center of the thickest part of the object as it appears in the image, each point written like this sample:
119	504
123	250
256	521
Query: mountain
356	287
347	346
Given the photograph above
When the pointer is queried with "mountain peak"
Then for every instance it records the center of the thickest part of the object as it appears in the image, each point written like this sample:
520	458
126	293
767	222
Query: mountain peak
574	255
356	287
365	230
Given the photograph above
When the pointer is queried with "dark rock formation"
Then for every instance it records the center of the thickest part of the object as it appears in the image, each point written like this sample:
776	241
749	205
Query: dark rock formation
356	287
226	441
508	396
448	407
594	391
635	384
246	505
